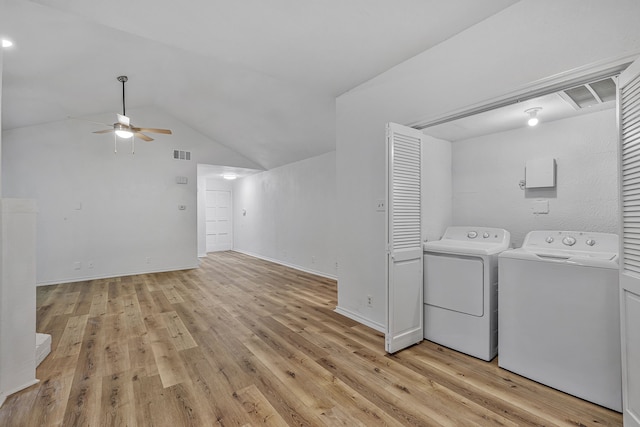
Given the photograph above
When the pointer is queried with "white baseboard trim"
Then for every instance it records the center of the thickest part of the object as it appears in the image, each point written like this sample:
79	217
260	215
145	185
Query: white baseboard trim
286	264
358	318
110	276
43	347
22	387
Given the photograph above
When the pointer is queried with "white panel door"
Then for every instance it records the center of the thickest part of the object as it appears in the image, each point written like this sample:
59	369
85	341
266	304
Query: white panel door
218	221
404	245
629	115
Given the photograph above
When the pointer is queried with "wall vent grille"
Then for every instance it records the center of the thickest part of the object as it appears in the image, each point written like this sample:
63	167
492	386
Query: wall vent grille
590	94
181	155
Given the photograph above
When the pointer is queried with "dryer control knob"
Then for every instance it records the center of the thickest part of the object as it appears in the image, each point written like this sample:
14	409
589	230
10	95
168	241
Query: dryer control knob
591	242
472	234
485	235
549	239
569	241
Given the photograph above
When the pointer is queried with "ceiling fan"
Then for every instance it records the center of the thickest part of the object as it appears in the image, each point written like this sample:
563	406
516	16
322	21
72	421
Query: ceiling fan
123	127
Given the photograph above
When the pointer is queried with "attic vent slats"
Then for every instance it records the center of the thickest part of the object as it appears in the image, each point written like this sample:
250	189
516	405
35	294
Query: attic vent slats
589	94
181	155
581	96
605	89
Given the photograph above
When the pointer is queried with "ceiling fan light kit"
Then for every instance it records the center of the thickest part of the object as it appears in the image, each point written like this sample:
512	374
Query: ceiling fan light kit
123	127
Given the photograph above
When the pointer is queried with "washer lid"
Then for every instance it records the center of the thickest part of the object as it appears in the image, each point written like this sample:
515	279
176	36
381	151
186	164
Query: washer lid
470	240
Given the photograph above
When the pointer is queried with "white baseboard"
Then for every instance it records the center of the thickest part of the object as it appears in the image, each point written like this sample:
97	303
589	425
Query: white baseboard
21	387
43	347
110	276
286	264
358	318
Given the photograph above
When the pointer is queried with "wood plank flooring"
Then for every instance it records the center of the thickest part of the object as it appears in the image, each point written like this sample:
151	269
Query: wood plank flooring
244	342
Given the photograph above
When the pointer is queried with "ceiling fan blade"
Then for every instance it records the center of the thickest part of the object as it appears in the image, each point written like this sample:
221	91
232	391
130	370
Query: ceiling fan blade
153	130
142	136
124	120
104	131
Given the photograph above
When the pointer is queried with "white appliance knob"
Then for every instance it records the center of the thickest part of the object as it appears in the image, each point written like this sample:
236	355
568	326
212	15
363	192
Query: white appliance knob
569	241
485	235
472	234
549	239
591	242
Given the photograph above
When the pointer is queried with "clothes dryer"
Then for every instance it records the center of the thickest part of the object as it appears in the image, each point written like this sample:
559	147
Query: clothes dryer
461	289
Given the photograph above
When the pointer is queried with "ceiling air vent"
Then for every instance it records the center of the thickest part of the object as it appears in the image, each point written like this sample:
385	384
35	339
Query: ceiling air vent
589	94
181	155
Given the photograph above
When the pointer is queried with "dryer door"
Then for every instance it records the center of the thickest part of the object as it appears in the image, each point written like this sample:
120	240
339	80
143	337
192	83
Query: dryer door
454	282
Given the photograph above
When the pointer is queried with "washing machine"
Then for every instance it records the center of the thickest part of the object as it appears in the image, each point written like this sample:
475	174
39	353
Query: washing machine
559	318
461	287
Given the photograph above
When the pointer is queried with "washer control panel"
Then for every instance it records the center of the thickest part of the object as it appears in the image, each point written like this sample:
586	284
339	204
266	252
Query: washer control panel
572	241
477	234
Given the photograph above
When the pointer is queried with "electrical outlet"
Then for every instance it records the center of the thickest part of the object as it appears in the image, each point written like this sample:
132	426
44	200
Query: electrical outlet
380	205
313	260
148	260
369	301
89	264
77	265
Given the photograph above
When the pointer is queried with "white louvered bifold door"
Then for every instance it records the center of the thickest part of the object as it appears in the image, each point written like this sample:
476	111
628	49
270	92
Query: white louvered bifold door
629	126
404	245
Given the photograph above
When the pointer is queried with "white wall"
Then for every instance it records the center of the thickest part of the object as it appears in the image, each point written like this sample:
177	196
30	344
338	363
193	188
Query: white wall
487	169
290	215
437	188
530	41
115	214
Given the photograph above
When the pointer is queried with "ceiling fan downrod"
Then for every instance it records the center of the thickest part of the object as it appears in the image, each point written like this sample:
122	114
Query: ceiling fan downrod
123	80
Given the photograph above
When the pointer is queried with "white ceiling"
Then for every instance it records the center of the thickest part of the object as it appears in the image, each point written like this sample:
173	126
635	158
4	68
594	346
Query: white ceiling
258	76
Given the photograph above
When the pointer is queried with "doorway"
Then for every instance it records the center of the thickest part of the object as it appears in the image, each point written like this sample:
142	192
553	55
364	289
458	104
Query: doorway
215	206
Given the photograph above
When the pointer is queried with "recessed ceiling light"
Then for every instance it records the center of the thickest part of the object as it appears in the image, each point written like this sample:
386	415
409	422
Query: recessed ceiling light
7	43
229	176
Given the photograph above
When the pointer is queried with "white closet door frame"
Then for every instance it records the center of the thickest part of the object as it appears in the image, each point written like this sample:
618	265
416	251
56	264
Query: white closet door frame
404	245
629	167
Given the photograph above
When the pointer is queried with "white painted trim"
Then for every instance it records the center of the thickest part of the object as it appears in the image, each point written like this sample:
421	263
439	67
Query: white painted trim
547	85
3	397
86	278
286	264
358	318
21	387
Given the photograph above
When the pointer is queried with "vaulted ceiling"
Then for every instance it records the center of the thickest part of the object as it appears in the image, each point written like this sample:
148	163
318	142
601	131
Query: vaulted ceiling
258	76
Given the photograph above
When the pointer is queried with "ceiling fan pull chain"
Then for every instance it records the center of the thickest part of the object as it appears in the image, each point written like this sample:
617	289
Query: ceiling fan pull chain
133	145
115	143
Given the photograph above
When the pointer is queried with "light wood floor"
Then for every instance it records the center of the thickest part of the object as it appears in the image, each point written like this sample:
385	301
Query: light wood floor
241	341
